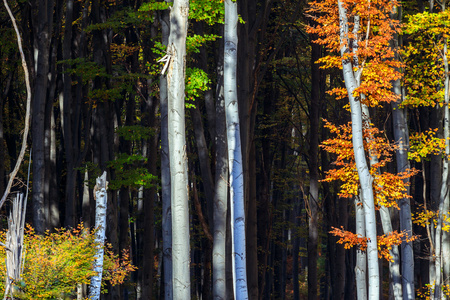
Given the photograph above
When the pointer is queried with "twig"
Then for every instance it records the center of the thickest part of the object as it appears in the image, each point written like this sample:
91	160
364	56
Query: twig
27	114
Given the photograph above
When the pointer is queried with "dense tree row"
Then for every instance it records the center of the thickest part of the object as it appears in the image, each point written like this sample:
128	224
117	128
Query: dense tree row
275	149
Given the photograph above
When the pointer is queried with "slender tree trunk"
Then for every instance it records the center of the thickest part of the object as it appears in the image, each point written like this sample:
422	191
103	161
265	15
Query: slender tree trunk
401	137
203	156
385	216
44	31
365	178
313	234
444	195
165	171
177	146
220	195
67	121
101	196
340	267
296	244
361	257
50	186
53	201
149	199
234	153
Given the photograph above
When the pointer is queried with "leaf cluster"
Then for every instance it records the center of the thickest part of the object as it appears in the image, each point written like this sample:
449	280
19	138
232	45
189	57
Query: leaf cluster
388	187
384	242
54	263
424	144
130	172
424	74
208	11
364	41
196	81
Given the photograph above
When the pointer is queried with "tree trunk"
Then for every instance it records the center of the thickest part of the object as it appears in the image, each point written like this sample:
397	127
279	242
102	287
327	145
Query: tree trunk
444	196
361	257
385	216
220	196
313	233
101	196
365	179
44	32
177	145
67	121
401	137
234	153
165	171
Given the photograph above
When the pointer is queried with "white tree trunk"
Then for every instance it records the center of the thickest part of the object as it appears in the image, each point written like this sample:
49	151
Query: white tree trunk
440	255
385	216
177	150
365	179
234	152
101	198
361	258
14	244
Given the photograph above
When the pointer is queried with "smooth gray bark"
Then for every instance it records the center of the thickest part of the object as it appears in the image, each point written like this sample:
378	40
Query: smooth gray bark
68	114
165	170
220	196
361	257
177	149
234	153
444	195
313	232
394	264
351	78
44	32
401	137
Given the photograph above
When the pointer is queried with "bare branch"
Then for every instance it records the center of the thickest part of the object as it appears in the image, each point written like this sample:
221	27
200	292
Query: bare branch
27	115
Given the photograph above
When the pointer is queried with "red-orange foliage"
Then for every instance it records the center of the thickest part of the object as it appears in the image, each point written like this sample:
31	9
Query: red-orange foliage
384	242
349	239
388	187
370	30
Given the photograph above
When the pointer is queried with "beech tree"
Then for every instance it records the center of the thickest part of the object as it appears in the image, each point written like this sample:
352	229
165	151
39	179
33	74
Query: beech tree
234	152
431	90
219	279
176	51
361	33
44	29
101	196
165	170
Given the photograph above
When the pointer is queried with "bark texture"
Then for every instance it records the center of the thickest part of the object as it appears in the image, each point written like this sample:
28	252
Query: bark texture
177	147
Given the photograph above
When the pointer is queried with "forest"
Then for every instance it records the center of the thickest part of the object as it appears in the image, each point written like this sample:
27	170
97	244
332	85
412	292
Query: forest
253	149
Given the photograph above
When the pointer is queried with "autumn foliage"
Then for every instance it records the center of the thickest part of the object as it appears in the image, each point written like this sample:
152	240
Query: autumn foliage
370	31
388	187
361	32
56	262
384	242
